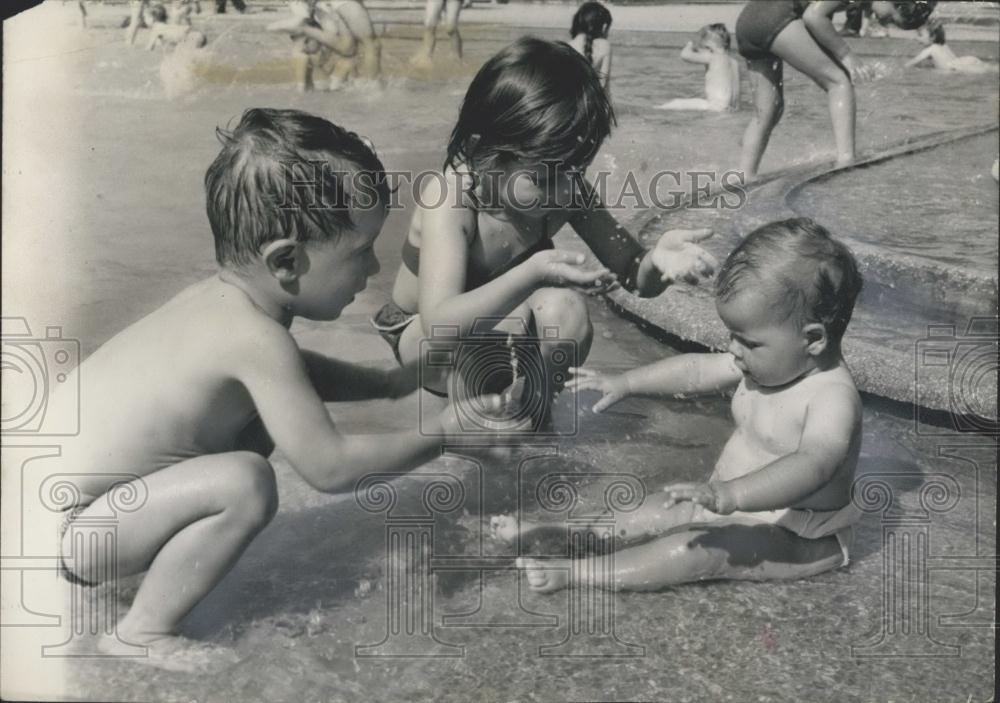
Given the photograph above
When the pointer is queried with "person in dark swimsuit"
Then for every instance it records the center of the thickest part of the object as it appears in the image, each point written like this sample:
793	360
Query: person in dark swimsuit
770	32
478	259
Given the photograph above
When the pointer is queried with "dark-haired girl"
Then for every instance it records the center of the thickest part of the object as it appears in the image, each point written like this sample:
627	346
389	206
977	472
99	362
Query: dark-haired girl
589	33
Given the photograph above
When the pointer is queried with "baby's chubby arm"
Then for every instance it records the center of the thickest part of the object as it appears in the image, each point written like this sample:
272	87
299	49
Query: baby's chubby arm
677	375
336	380
832	425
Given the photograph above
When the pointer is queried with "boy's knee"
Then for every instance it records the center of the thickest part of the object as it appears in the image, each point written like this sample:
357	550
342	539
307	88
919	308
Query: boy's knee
256	495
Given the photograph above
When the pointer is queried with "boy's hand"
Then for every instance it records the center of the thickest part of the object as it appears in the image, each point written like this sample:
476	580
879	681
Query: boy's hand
677	257
711	496
565	269
614	388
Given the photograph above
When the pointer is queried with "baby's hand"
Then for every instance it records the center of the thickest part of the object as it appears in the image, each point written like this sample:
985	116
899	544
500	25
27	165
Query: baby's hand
614	388
703	494
677	257
565	269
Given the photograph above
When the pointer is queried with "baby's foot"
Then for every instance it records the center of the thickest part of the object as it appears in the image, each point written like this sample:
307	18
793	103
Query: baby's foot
175	653
545	577
506	528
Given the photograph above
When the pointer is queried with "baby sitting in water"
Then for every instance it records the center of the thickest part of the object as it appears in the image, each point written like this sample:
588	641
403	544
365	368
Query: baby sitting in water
942	57
778	504
722	72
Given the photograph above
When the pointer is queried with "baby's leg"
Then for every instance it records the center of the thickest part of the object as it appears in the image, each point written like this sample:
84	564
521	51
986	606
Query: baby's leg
769	104
198	517
796	46
651	519
720	550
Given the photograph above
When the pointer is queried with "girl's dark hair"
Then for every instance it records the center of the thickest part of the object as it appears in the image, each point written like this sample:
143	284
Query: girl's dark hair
534	101
286	173
913	14
593	20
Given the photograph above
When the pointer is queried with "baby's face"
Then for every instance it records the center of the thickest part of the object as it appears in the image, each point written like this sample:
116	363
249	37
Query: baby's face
770	351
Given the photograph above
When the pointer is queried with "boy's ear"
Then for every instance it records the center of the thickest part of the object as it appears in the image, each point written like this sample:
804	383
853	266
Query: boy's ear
816	339
282	258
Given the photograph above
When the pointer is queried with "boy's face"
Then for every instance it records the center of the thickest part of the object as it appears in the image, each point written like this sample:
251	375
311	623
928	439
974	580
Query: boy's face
770	351
339	269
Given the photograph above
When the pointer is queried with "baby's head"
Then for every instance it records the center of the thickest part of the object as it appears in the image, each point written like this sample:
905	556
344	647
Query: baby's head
296	199
533	102
592	19
786	293
714	36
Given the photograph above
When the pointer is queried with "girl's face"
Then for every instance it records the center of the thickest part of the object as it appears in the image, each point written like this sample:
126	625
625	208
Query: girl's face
532	190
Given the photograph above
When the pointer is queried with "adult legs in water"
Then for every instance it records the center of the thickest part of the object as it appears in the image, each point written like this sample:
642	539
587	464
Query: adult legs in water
731	549
768	104
796	46
198	518
432	16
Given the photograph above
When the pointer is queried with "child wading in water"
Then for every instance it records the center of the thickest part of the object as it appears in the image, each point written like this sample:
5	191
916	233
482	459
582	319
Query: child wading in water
213	380
942	57
722	72
589	33
770	32
478	260
778	504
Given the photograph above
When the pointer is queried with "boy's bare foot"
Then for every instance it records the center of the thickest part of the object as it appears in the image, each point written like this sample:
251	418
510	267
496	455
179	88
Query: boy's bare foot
545	576
174	653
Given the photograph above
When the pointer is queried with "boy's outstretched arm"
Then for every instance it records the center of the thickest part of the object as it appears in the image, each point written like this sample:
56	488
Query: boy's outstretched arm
336	380
645	272
677	375
832	426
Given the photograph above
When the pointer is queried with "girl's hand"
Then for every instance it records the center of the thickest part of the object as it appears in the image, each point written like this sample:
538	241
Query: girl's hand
472	418
677	257
614	388
708	495
565	269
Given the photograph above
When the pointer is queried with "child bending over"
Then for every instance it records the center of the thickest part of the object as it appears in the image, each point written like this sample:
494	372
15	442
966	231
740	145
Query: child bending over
778	504
192	399
722	72
942	57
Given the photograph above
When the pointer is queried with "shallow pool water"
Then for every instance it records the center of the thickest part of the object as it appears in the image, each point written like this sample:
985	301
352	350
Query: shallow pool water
111	151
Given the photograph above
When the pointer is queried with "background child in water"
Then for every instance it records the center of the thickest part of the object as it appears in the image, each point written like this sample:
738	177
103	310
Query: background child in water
771	32
479	246
778	504
722	72
942	57
213	380
589	33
